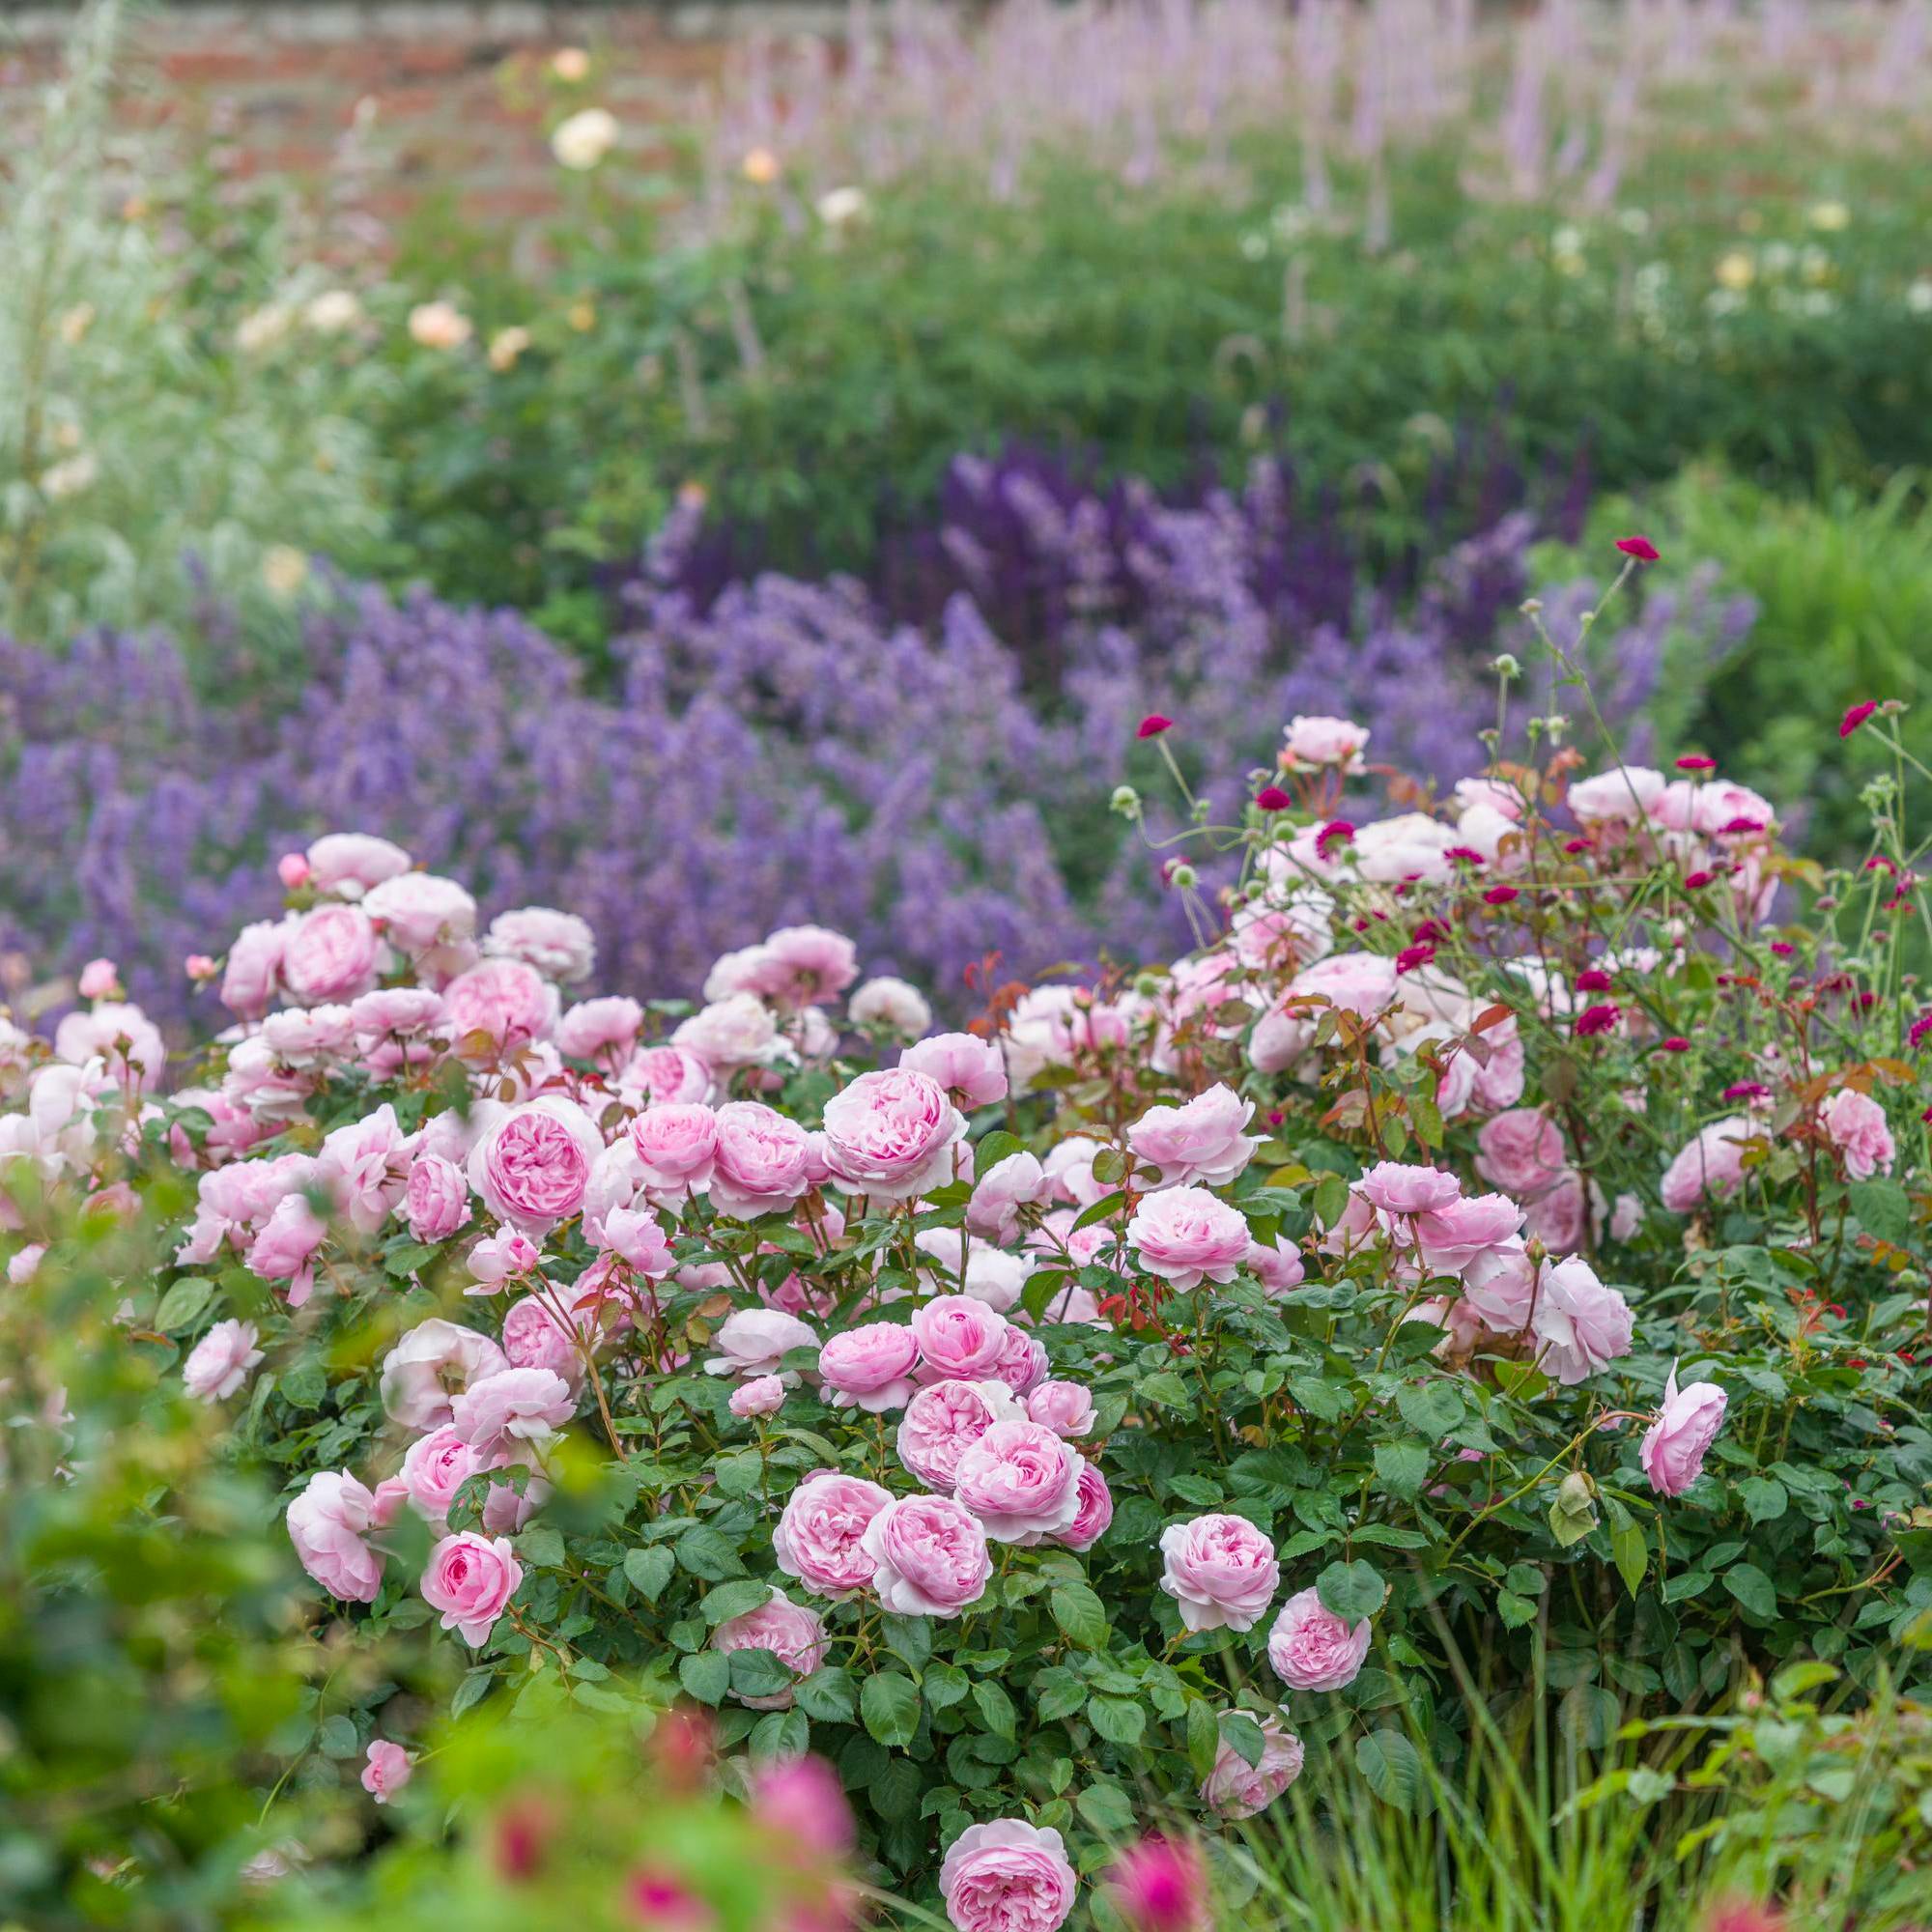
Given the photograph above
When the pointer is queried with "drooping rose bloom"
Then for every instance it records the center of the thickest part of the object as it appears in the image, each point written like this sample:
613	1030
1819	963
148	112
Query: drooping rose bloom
1095	1512
929	1556
1201	1143
1579	1325
1674	1445
818	1537
790	1631
1220	1570
1313	1649
1453	1238
513	1405
1237	1789
1007	1876
755	1341
218	1364
1187	1236
889	1135
326	1524
389	1767
1710	1167
993	1213
471	1580
1521	1151
1855	1123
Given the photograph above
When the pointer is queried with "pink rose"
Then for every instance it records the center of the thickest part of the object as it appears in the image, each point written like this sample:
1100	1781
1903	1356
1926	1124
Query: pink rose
637	1237
1095	1512
735	1032
99	979
498	1007
1023	1361
892	1006
944	1420
666	1077
1855	1123
1199	1144
351	863
763	1395
309	1036
958	1336
365	1168
434	1359
676	1147
1278	1267
253	968
501	1256
793	1634
1187	1235
389	1767
558	945
1017	1181
535	1338
755	1341
870	1366
532	1168
1392	1188
435	1198
1065	1407
1313	1649
802	1800
1627	796
802	965
1221	1570
330	954
282	1250
1022	1482
471	1580
513	1405
1454	1237
1007	1877
435	1467
968	1068
218	1364
601	1030
891	1135
1556	1218
122	1034
326	1524
929	1556
1324	741
1579	1325
762	1163
1711	1166
1673	1447
1237	1789
1521	1151
423	915
1501	1285
819	1534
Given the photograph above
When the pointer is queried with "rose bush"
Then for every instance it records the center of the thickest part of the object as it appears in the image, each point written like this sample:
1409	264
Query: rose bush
1500	1233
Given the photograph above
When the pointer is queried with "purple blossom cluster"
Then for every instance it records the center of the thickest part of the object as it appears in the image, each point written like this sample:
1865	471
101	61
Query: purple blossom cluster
926	764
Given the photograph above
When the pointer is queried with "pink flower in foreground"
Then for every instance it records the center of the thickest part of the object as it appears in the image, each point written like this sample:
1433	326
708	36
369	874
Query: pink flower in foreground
1187	1235
1202	1143
1095	1512
818	1535
1007	1876
1159	1885
970	1068
1674	1445
1237	1789
890	1134
1313	1649
763	1160
1855	1123
1581	1327
1712	1165
471	1580
218	1364
1857	715
763	1395
436	1199
1022	1481
389	1767
1391	1187
326	1524
929	1556
802	1799
532	1168
513	1405
944	1420
870	1366
959	1337
1640	548
1220	1570
793	1634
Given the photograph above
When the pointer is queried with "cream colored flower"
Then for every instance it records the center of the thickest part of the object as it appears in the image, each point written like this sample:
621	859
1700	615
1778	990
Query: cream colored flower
284	569
1736	272
842	205
571	64
263	328
505	346
440	325
1830	215
581	316
585	140
76	322
333	311
761	166
70	477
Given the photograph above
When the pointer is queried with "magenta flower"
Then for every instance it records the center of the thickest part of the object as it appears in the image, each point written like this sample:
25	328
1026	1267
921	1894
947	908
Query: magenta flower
1153	725
1271	798
1640	548
1856	717
1597	1019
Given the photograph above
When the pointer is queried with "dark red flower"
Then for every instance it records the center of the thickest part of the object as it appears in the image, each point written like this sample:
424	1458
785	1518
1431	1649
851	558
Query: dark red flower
1783	948
1640	548
1597	1019
1918	1029
1676	1043
1413	956
1339	831
1153	725
1856	717
1698	881
1271	798
1499	894
1593	979
1575	845
1695	761
1465	855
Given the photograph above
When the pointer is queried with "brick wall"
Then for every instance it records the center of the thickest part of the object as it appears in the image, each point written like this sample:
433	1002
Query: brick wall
430	95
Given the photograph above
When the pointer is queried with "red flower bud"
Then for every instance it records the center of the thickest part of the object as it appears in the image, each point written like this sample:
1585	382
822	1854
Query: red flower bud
1153	725
1271	798
1856	717
1640	548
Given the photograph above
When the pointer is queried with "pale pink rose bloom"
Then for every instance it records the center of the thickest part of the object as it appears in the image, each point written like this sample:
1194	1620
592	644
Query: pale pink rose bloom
99	979
1361	984
1626	1217
1673	1447
603	1030
1095	1512
792	1632
990	1274
330	954
435	1467
532	1168
870	1366
1358	1228
1392	1188
1855	1123
436	1199
352	863
1017	1181
944	1420
254	967
1325	741
1022	1481
365	1166
738	1031
218	1364
1023	1361
1712	1165
1281	1038
737	972
1220	1570
283	1249
499	1257
762	1161
399	1026
1579	1325
959	1337
1557	1216
1521	1151
676	1147
764	1396
1065	1407
1007	1876
510	1005
22	1264
819	1534
664	1077
1451	1238
929	1556
891	1006
558	945
1723	802
637	1237
970	1068
890	1134
513	1405
1411	845
1312	1649
535	1337
1200	1143
1070	1170
101	1032
802	1798
1278	1267
292	868
1237	1789
802	965
1498	1080
326	1524
389	1767
1501	1285
434	1361
471	1580
1187	1235
310	1036
423	915
1620	797
754	1340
